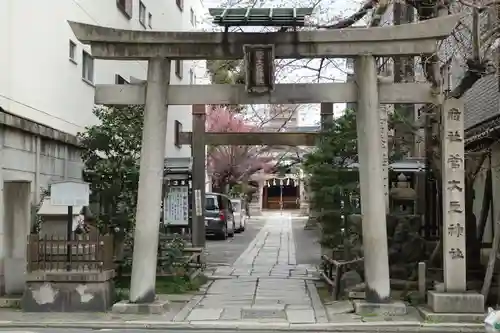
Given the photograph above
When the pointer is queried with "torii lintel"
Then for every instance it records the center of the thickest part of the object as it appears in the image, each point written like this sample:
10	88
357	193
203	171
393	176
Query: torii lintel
407	39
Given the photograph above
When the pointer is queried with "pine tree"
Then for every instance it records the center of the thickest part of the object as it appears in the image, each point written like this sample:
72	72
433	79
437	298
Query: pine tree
333	185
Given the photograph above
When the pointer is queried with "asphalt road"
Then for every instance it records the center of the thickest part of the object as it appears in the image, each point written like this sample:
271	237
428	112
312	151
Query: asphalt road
225	252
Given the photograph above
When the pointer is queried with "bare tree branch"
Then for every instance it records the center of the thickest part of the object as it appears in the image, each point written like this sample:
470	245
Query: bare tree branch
349	21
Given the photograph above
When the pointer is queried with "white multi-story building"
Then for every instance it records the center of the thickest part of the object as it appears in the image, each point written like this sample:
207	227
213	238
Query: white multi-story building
47	81
47	76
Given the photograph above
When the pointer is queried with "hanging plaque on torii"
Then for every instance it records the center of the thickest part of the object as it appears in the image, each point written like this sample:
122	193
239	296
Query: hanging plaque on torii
259	68
259	59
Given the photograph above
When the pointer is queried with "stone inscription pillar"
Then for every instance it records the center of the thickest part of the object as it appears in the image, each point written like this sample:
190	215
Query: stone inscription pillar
384	138
371	183
455	299
142	288
453	170
199	153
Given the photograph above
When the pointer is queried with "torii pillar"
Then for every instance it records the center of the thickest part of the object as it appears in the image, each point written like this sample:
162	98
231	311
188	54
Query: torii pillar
142	286
373	208
199	171
326	114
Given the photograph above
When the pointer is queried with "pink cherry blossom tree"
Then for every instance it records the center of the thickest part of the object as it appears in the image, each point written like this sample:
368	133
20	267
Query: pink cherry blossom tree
230	165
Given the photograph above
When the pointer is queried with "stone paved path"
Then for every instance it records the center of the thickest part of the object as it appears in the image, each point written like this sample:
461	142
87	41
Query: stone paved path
264	284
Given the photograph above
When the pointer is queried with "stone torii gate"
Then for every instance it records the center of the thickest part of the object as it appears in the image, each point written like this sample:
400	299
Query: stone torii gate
363	44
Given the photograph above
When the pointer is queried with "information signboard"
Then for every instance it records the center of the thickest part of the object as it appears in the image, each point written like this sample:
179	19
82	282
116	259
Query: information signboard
176	205
69	193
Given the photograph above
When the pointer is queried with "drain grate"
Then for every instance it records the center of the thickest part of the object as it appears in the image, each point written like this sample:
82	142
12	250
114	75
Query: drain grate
263	313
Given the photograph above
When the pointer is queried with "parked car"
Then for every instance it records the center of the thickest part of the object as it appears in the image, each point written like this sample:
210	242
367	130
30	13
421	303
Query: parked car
239	214
219	219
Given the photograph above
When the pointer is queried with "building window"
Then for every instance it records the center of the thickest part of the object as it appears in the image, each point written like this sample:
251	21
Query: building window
72	51
125	6
191	76
142	14
191	18
177	131
150	20
87	67
180	4
120	79
178	68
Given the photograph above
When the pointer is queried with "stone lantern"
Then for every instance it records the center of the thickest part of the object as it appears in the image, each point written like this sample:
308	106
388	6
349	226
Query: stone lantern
402	196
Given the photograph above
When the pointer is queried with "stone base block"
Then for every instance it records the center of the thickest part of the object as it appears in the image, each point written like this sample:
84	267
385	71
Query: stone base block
14	275
446	302
434	317
157	307
362	307
68	292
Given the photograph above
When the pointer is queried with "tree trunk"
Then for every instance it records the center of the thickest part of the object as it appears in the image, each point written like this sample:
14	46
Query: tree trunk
485	208
485	290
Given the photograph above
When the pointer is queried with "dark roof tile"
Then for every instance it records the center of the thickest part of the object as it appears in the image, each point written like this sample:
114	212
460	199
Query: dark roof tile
482	101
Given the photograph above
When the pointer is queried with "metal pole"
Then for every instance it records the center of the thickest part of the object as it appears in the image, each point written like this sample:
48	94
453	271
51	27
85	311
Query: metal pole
69	231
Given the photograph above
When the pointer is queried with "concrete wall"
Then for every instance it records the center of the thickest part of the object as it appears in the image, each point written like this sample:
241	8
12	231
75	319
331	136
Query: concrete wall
37	160
38	81
31	157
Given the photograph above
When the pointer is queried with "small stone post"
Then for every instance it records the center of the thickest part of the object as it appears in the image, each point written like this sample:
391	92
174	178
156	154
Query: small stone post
142	288
198	153
371	183
422	279
453	169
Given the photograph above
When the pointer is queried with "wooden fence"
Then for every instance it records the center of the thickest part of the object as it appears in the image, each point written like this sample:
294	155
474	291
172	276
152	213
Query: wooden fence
332	273
81	253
